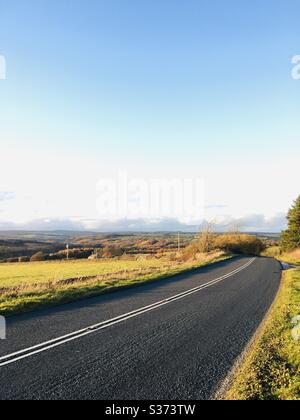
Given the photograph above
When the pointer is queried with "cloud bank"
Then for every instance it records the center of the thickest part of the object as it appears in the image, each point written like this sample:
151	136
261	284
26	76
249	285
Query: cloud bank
251	223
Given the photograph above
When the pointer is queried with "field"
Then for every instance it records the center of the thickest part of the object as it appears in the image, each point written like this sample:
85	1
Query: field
27	286
271	371
35	272
41	273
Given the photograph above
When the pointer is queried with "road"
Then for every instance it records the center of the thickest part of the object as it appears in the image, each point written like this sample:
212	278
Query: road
141	345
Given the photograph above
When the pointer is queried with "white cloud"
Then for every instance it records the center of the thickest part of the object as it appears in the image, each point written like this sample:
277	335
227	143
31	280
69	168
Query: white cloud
6	195
252	223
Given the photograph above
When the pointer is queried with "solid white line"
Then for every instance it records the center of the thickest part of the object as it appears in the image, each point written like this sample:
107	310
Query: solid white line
31	351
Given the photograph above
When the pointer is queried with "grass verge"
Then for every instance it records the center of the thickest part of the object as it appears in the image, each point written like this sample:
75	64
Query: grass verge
24	288
292	257
271	370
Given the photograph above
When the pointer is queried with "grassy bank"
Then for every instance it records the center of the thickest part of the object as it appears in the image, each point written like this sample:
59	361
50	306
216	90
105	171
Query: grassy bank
292	257
271	370
28	286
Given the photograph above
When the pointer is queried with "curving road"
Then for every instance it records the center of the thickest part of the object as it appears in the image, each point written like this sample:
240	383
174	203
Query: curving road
175	339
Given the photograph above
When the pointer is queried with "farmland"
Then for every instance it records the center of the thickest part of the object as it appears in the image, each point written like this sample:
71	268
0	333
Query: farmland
20	245
27	286
41	271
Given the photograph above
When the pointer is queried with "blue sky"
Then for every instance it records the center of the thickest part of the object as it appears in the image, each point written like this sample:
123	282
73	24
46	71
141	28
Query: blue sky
157	88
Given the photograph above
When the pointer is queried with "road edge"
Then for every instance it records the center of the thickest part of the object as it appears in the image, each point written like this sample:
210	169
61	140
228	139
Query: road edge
226	384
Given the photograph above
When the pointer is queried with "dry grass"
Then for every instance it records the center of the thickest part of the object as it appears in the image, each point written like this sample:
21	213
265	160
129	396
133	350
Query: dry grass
292	257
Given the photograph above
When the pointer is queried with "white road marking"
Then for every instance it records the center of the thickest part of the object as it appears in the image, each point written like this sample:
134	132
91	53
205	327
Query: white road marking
40	348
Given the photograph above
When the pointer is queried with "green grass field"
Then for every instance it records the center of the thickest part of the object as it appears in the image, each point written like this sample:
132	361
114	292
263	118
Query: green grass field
42	272
27	286
271	370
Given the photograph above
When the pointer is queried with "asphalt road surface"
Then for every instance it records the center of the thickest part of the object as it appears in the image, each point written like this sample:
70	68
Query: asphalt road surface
175	339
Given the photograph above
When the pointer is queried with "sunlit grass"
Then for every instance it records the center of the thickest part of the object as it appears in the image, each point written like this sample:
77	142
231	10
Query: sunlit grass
43	272
292	257
272	369
28	286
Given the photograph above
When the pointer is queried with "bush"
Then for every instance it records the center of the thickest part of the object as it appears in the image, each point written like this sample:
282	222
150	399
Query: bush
190	252
240	244
206	240
112	252
55	257
204	244
74	254
272	251
24	259
12	260
39	256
